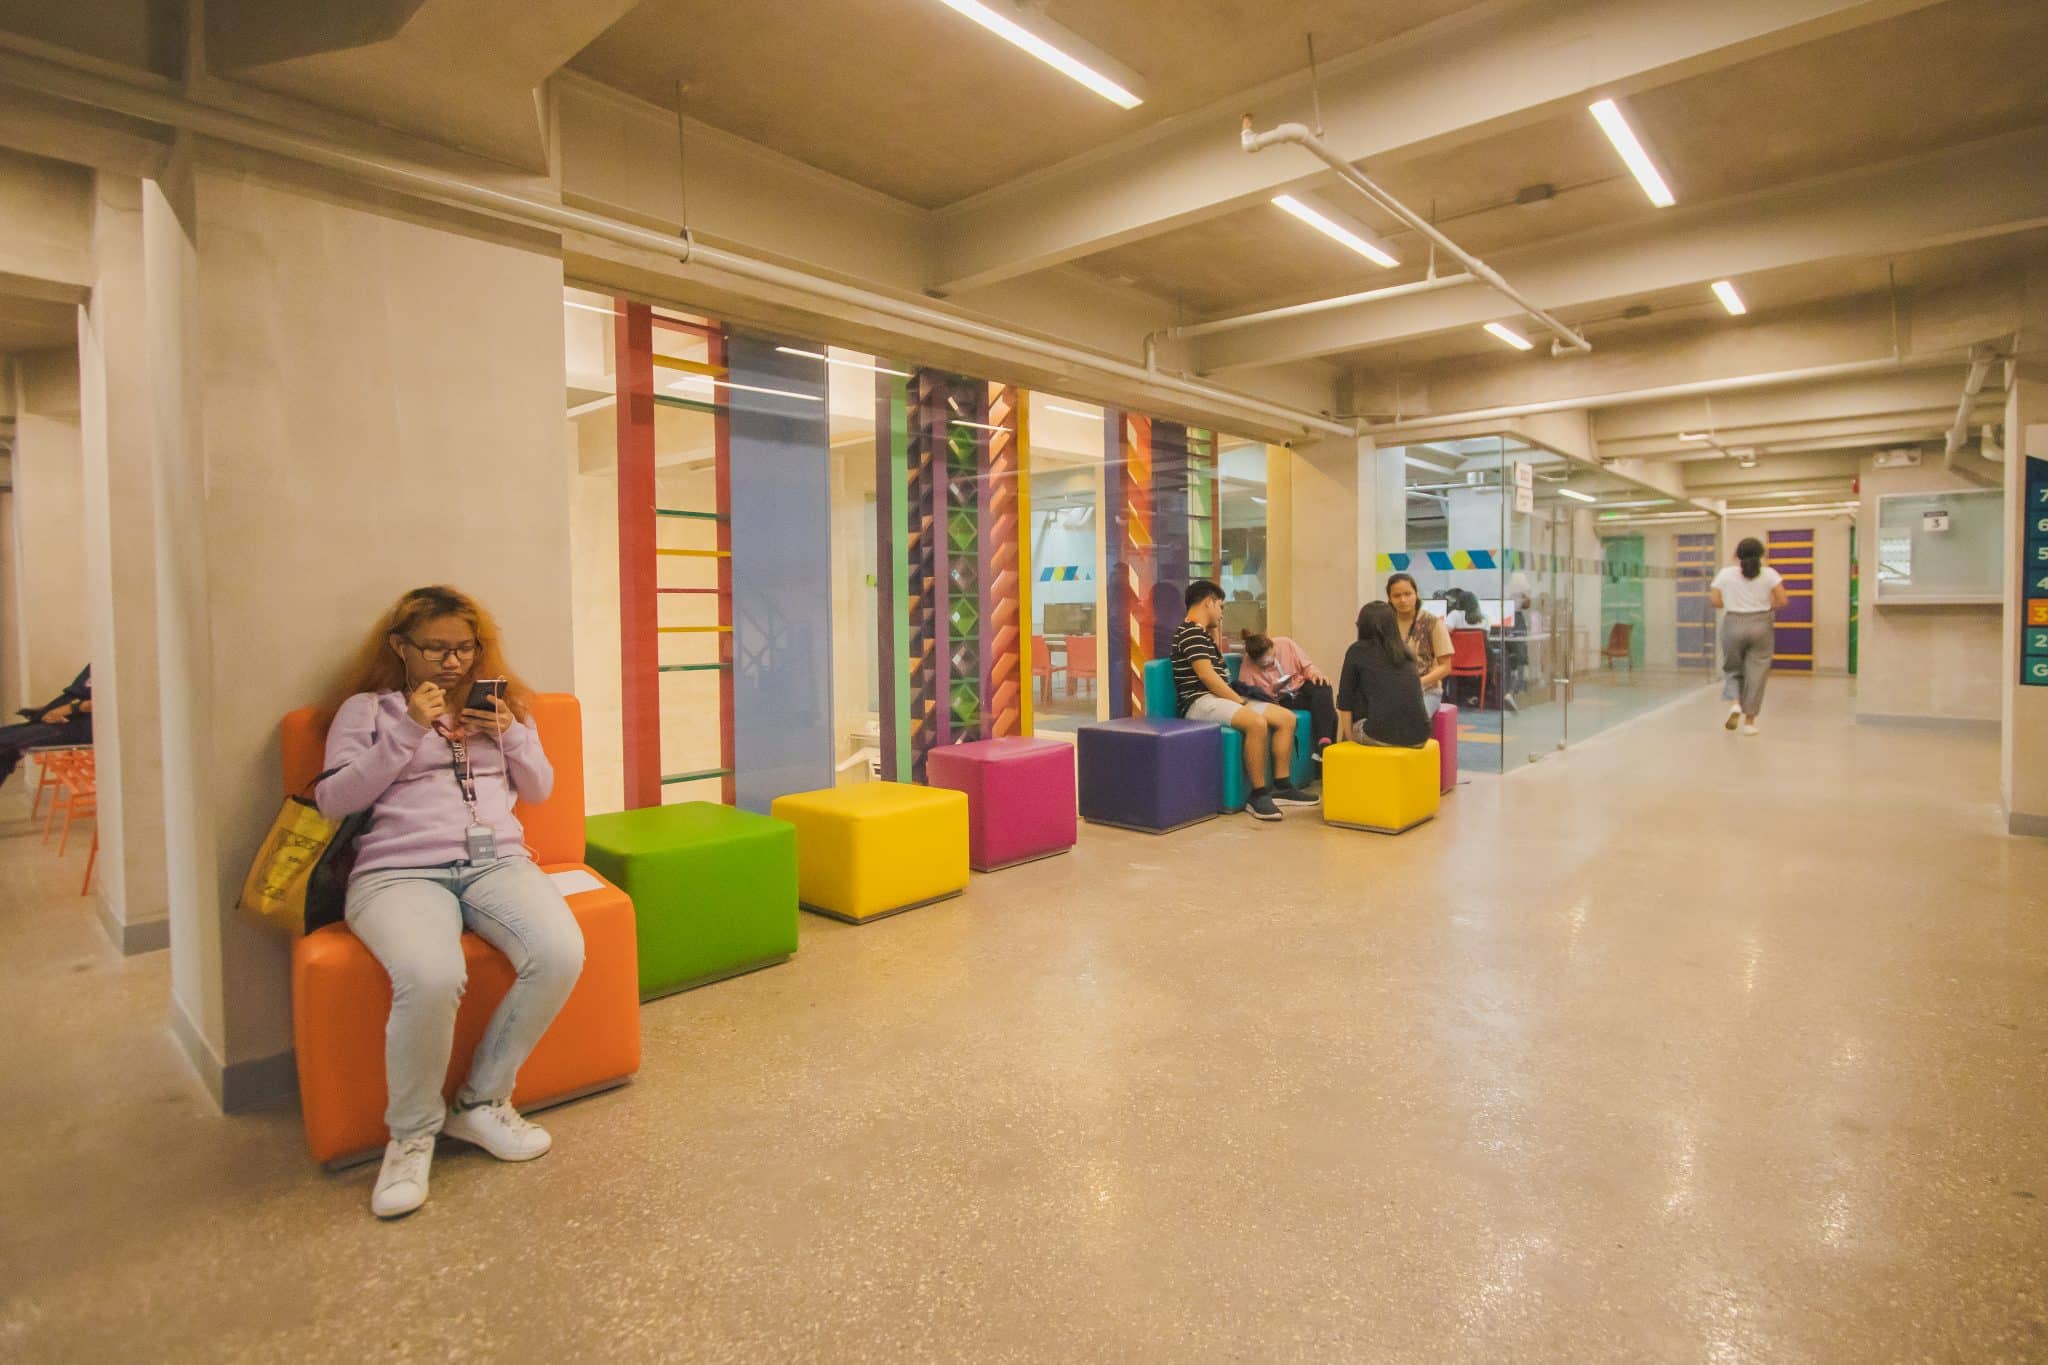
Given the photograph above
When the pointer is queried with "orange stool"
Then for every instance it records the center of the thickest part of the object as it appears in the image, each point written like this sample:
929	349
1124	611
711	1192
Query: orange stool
341	996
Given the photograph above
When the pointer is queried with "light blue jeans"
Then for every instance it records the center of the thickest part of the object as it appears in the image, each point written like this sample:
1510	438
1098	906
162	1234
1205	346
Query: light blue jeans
411	919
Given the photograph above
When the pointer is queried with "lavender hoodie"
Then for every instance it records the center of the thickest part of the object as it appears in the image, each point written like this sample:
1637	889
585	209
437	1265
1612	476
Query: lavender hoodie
402	773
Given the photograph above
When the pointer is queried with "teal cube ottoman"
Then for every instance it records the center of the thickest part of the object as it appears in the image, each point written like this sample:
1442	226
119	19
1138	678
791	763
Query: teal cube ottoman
713	889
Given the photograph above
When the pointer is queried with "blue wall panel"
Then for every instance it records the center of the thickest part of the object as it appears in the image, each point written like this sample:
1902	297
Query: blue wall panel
781	574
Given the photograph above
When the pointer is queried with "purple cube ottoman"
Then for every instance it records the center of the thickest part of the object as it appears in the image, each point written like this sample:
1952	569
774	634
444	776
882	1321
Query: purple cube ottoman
1148	774
1020	797
1443	727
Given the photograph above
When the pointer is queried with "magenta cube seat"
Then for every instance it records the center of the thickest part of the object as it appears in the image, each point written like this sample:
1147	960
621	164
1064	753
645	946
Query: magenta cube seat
1020	797
1443	727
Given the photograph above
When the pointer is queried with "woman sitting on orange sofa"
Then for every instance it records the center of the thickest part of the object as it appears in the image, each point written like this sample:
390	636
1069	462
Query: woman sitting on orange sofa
438	770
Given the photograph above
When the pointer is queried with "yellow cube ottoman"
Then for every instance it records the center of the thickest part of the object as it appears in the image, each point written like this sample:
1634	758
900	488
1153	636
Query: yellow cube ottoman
871	850
1384	790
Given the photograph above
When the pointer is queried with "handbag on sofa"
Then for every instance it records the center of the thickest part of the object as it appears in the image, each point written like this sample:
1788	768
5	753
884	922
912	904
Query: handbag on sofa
299	881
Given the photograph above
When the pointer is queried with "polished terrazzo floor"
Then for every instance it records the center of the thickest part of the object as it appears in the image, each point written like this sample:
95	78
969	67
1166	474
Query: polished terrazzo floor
1677	1047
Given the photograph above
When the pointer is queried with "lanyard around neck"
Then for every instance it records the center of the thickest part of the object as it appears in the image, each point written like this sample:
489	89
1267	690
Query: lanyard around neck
465	780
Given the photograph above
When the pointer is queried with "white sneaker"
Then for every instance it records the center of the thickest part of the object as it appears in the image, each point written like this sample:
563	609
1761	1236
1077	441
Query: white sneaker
497	1128
1749	727
402	1180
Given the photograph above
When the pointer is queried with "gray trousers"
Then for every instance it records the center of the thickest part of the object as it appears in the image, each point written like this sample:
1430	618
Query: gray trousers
1746	638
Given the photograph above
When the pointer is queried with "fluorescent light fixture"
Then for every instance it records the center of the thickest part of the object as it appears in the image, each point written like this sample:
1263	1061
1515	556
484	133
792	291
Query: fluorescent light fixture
1354	237
978	426
1730	300
1510	336
838	360
589	308
1608	113
1055	46
1694	436
1575	493
1095	416
748	388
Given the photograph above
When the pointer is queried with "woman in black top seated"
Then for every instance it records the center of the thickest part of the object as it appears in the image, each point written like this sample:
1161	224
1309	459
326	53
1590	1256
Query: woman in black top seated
1379	697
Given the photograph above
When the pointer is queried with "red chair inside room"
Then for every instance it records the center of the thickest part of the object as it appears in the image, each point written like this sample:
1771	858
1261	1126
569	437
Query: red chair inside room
341	996
1041	667
1468	658
1620	645
1080	661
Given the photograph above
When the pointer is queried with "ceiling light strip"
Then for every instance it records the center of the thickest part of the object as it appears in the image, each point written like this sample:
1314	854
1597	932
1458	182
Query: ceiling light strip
1510	336
1336	231
1608	114
1054	46
1732	301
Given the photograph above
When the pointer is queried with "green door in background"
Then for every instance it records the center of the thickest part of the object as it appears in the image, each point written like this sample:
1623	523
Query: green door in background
1621	597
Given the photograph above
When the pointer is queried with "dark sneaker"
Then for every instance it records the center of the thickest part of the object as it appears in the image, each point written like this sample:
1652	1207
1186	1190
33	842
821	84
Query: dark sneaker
1261	807
1294	796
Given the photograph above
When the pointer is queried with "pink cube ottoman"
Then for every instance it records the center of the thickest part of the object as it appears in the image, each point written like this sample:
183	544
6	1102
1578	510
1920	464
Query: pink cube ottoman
1020	797
1444	729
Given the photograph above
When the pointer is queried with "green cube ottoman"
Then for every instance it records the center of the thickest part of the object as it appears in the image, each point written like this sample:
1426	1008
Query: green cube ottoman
713	889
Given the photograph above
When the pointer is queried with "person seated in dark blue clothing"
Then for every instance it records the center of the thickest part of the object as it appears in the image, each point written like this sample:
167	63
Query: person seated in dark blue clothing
66	719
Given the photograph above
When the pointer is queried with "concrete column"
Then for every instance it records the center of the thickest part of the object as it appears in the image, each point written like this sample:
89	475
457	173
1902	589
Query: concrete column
1390	502
1332	510
2023	763
10	567
53	641
116	424
352	399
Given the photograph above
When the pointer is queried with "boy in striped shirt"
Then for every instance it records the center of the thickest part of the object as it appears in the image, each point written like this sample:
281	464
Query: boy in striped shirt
1202	692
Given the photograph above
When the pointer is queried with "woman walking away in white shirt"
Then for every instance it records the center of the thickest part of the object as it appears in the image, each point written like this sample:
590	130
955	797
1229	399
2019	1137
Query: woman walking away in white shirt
1750	595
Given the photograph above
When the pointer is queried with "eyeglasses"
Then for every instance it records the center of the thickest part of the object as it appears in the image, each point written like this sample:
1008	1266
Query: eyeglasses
441	654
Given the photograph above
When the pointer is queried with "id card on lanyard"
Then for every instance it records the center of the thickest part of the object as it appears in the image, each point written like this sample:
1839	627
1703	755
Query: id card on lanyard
478	839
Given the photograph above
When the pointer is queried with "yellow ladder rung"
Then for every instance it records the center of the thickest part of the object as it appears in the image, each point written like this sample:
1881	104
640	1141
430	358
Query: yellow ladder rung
697	554
669	362
688	630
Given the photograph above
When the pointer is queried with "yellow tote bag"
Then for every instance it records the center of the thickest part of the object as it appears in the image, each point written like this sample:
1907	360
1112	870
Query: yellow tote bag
276	885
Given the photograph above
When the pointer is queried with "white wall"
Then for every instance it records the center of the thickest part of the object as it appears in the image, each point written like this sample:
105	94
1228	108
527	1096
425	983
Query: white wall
1923	663
54	640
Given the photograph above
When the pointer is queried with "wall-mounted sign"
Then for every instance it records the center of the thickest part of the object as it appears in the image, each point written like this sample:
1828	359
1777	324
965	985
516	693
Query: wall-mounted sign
2034	583
1934	521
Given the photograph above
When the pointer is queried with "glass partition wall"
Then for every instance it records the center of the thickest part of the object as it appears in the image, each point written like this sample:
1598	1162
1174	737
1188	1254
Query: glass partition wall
1565	625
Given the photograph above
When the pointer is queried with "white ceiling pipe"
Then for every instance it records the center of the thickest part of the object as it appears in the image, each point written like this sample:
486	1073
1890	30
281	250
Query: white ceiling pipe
1295	310
156	105
1352	176
1959	430
1630	397
1988	444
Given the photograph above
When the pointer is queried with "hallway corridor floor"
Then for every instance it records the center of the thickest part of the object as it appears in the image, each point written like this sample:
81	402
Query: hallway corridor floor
1679	1046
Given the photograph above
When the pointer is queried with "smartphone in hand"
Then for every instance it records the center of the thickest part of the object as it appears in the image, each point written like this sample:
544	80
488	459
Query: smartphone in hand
483	691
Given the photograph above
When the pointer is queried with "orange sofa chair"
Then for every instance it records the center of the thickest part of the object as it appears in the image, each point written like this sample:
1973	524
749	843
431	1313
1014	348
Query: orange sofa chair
341	996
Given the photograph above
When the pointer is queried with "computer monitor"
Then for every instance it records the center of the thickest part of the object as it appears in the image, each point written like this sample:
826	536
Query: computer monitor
1499	611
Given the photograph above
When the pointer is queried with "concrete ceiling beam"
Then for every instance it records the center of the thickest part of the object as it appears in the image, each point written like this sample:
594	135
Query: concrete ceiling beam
415	65
1931	325
1982	189
1859	398
1493	67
